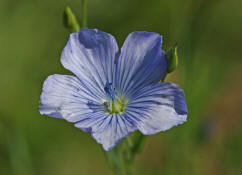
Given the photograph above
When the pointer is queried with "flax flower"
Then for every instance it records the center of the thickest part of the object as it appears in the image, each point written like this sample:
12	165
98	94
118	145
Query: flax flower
112	92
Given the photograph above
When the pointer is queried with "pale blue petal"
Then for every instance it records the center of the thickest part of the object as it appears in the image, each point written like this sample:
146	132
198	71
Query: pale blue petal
157	108
63	96
106	129
90	55
141	62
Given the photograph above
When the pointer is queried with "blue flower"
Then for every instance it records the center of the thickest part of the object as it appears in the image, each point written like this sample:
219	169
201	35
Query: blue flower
114	92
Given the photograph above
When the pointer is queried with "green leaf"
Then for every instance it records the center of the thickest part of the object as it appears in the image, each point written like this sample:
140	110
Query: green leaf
172	58
70	21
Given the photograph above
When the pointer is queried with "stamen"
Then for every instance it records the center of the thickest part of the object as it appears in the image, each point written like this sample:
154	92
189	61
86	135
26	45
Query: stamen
113	103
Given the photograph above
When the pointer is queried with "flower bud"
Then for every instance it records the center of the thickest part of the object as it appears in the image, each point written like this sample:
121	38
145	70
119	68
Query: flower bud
70	21
172	58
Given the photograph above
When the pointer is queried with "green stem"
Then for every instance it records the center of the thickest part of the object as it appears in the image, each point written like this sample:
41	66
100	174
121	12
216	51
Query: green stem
116	160
84	13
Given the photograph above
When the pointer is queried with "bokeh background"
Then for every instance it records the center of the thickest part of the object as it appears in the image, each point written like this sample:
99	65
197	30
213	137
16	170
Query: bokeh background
209	36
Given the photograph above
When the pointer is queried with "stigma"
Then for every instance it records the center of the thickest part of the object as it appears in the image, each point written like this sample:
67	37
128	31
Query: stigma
113	103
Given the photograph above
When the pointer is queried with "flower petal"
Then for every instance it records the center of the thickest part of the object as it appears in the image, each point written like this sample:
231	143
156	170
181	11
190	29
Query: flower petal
63	96
158	108
90	55
141	62
107	130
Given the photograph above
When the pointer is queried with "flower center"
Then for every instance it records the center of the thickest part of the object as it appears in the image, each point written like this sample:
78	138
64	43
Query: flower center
113	103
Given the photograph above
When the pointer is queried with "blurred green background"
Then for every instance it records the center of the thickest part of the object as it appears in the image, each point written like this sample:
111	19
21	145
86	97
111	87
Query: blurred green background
209	37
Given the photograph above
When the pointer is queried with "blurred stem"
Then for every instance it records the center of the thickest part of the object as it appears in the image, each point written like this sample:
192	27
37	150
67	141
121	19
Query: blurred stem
84	13
14	139
19	154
